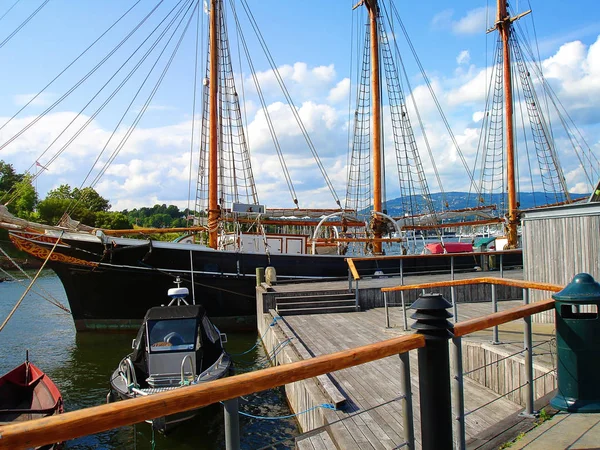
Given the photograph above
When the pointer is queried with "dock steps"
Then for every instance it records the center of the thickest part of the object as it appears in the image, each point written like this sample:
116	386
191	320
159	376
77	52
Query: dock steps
312	303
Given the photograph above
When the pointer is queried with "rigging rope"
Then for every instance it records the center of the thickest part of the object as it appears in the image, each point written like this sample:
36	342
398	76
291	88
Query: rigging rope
50	300
31	16
32	282
81	81
291	104
142	111
9	9
436	101
193	116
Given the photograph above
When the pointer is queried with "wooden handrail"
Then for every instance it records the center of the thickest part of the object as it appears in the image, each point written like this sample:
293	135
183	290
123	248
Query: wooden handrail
482	280
352	268
499	318
93	420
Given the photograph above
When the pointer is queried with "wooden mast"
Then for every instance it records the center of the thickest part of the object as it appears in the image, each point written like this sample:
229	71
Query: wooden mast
504	24
376	119
214	211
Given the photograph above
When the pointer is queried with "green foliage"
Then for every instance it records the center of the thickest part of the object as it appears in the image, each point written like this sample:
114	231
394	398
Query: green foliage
84	205
112	221
51	209
24	198
86	198
8	177
159	216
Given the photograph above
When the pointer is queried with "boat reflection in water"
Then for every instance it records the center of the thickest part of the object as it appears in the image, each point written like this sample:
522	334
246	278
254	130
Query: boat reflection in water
176	346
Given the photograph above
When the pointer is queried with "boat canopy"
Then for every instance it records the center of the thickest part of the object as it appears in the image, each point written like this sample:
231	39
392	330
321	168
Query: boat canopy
190	329
483	242
179	312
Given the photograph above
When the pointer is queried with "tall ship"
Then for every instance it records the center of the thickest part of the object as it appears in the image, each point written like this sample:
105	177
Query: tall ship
111	279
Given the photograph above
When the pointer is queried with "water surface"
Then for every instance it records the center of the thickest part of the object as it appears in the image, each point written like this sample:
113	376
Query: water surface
81	365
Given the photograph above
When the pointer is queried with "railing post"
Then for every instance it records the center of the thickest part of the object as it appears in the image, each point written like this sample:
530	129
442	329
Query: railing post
495	338
402	295
387	315
232	424
349	279
356	295
458	395
501	266
528	347
434	371
260	275
407	406
452	291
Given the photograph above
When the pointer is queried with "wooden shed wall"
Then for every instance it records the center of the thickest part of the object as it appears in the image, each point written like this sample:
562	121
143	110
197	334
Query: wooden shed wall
558	246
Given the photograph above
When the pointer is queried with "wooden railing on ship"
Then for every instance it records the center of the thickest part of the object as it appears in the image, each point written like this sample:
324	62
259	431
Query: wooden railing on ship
101	418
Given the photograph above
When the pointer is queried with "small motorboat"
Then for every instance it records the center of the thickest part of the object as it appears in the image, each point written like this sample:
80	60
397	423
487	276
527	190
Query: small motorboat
176	346
27	393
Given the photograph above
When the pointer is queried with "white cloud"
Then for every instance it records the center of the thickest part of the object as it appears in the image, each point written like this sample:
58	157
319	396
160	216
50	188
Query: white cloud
42	99
463	57
340	92
472	23
154	165
443	19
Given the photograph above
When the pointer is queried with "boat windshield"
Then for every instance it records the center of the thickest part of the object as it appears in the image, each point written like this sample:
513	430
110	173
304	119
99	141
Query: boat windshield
172	335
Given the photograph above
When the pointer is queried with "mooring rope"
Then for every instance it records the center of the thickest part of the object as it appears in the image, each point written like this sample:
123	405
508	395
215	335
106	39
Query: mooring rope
50	300
289	416
272	324
32	282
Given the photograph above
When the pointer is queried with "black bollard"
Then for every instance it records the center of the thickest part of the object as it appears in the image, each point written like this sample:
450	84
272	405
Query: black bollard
434	371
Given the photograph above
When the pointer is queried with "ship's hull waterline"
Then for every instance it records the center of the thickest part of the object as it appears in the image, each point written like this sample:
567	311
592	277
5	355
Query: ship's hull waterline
111	284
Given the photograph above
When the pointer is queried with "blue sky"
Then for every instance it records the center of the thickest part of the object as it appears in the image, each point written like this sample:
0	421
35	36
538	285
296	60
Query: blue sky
310	43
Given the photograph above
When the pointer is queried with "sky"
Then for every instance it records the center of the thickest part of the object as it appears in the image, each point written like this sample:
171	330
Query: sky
310	42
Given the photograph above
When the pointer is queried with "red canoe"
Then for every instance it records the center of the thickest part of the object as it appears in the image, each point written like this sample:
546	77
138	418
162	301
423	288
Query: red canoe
27	393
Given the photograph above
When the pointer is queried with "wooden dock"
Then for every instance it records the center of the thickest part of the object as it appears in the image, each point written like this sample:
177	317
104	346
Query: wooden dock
371	415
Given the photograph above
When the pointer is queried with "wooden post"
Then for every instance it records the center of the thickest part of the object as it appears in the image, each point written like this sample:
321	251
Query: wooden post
504	27
376	118
213	88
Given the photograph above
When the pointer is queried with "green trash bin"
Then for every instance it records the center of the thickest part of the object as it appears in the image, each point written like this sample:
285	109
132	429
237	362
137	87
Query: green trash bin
578	345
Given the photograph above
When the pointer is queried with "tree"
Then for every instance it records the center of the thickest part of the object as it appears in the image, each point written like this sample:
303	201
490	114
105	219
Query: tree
8	177
23	198
26	197
90	199
82	205
158	221
112	221
51	209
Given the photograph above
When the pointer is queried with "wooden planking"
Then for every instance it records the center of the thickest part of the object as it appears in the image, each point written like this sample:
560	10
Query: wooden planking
335	397
371	384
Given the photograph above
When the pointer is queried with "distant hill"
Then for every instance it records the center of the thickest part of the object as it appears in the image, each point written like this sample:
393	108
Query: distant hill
460	200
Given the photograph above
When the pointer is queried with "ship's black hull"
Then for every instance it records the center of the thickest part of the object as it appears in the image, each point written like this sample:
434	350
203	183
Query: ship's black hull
112	285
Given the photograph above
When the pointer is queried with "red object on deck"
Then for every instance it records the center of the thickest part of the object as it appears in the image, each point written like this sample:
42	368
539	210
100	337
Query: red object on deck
450	247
